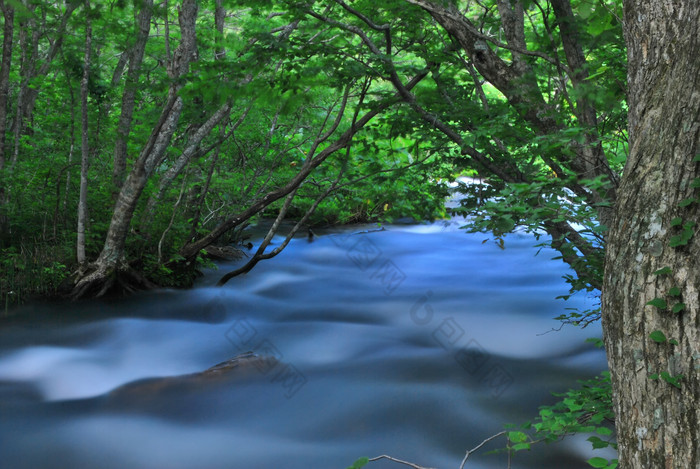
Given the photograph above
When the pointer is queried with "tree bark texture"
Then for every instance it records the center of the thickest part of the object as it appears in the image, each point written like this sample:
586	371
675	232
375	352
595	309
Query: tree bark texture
84	141
8	35
143	27
653	250
26	67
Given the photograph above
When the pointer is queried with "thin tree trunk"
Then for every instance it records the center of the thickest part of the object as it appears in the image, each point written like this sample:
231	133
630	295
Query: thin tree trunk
8	36
46	60
219	20
29	36
25	72
651	300
84	144
71	148
592	161
8	33
183	160
143	25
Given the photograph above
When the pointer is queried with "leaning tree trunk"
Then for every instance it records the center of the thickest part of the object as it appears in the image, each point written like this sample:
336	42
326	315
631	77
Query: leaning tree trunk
651	309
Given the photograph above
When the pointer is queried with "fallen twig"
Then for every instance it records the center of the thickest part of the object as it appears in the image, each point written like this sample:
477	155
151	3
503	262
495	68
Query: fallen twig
466	456
384	456
464	461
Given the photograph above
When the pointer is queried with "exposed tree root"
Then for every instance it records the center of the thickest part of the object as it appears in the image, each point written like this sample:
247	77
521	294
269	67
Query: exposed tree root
109	281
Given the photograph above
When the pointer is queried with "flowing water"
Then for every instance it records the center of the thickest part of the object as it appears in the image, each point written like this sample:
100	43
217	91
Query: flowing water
417	341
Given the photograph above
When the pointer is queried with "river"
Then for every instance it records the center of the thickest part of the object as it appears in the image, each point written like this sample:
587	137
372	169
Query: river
418	341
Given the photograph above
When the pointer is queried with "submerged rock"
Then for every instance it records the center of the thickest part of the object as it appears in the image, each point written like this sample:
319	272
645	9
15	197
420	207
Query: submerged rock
147	389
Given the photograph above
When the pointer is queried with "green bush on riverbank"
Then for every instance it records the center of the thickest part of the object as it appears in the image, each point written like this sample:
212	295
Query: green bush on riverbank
29	271
39	265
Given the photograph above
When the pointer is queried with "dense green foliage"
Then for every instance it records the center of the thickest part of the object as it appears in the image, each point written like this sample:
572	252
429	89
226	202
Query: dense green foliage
285	93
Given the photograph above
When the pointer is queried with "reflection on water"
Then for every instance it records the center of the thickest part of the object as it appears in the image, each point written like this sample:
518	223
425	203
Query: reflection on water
416	341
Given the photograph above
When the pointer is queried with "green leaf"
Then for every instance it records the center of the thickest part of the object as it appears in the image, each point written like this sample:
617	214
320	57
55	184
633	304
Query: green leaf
697	157
678	307
664	271
677	241
521	446
505	224
696	183
675	291
658	302
676	221
683	238
673	341
605	431
672	380
517	437
596	341
654	376
598	443
658	336
585	10
686	202
598	462
572	405
359	463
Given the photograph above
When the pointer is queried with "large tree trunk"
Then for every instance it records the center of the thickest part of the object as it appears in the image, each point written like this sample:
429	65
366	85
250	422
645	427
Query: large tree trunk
653	254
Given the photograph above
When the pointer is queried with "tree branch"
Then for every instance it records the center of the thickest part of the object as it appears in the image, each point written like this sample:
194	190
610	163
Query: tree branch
477	447
191	249
260	253
476	34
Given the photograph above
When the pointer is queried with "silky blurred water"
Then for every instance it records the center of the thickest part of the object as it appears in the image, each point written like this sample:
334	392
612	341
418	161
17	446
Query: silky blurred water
417	341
